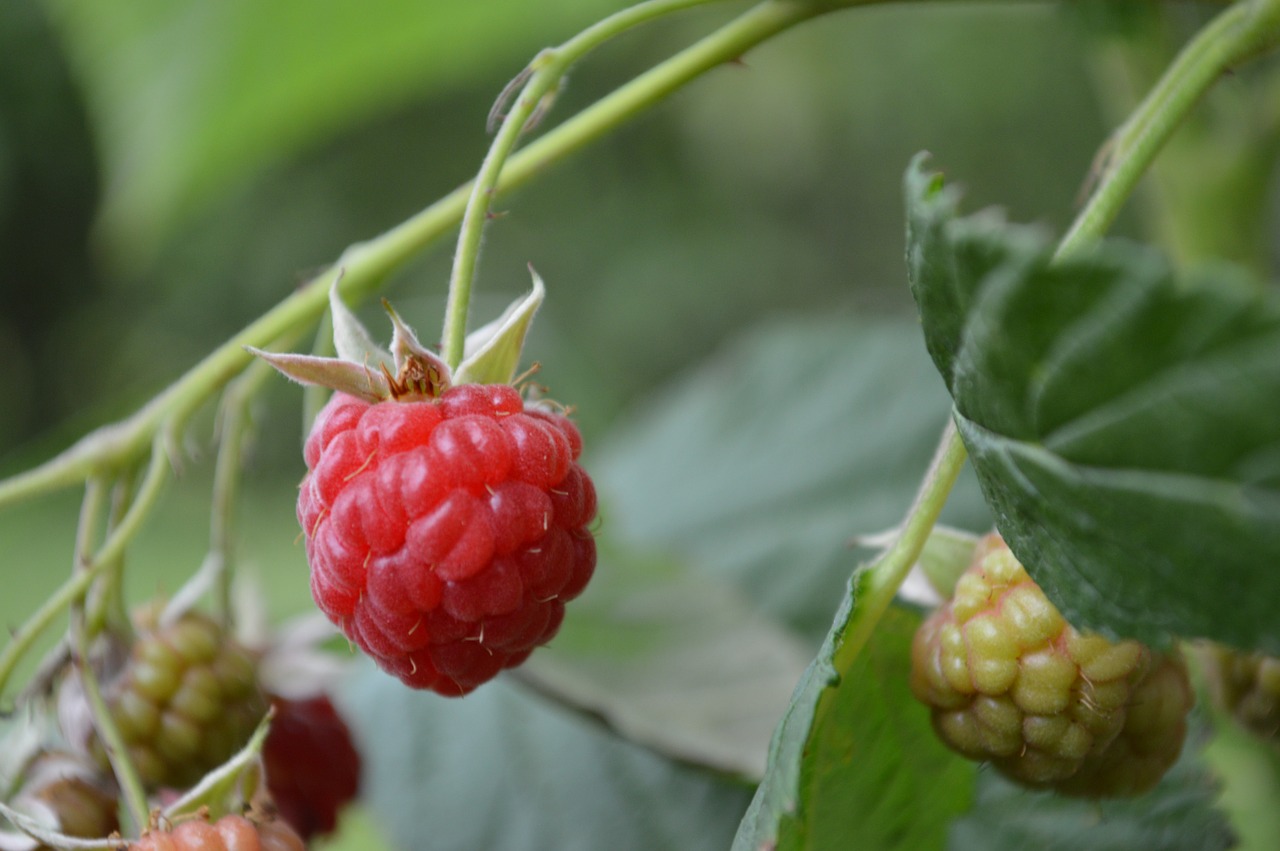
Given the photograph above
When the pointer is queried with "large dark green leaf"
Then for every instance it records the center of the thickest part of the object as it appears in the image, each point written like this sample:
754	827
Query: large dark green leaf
502	770
1123	418
669	652
678	662
855	763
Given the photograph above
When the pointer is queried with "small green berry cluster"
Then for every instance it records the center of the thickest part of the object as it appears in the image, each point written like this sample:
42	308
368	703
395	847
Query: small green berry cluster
187	700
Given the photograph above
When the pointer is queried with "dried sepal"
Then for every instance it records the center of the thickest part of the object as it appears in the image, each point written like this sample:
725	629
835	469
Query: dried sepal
419	371
355	379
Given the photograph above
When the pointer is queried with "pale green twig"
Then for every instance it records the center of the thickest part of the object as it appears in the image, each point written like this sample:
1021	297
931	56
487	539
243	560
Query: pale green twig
541	78
878	585
1238	33
107	731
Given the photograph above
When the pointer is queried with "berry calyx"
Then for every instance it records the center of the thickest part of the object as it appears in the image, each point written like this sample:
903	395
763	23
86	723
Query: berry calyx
185	702
312	765
446	535
1009	681
229	833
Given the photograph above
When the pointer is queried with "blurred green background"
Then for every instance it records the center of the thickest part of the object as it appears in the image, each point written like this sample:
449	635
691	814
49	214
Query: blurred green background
170	169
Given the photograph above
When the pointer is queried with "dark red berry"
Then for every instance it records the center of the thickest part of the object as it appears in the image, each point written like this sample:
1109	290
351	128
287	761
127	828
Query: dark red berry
312	765
445	535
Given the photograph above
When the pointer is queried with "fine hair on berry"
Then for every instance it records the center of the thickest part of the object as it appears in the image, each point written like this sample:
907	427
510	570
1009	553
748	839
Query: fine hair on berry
446	534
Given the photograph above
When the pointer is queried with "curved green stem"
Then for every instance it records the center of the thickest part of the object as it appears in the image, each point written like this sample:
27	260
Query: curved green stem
113	742
879	583
364	265
24	636
74	589
1236	34
543	76
143	501
107	602
92	509
234	424
108	732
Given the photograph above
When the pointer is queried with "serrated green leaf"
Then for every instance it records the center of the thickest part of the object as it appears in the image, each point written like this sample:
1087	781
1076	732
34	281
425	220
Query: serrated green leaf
504	770
1178	815
677	662
855	763
1123	419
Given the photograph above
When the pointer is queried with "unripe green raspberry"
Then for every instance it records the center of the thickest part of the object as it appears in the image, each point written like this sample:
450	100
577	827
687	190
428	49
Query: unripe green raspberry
186	701
66	793
1009	681
1248	686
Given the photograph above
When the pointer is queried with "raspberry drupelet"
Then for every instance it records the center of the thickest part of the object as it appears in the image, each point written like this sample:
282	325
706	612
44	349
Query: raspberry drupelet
446	533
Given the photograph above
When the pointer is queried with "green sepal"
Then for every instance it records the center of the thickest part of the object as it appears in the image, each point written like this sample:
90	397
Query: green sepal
947	553
231	785
351	340
492	352
418	369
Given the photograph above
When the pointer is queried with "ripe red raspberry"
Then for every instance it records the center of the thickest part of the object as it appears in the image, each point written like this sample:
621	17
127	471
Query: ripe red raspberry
185	702
446	534
1009	681
312	764
229	833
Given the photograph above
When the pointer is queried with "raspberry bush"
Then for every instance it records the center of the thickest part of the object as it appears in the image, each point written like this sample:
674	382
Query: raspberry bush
712	666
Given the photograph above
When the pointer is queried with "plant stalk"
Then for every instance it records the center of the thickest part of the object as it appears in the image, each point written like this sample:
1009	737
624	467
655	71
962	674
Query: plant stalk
542	77
1238	33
